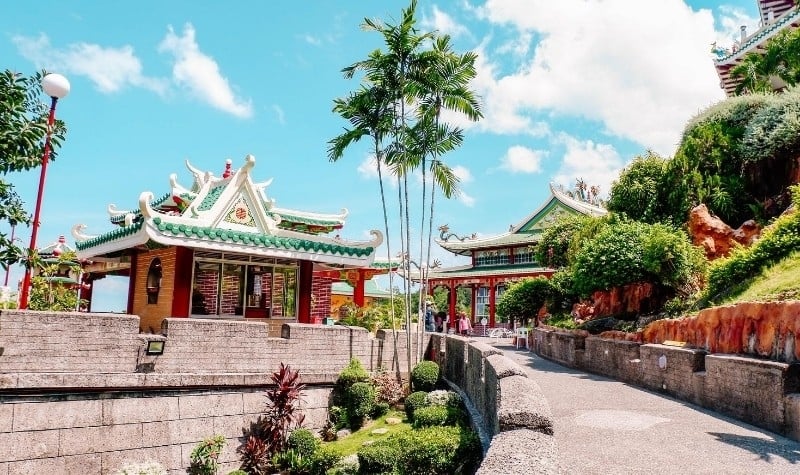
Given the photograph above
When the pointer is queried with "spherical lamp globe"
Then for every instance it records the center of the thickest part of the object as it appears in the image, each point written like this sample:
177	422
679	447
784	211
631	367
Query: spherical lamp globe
55	85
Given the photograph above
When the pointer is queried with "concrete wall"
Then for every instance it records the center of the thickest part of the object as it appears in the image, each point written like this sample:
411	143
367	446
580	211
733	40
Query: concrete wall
508	408
763	393
78	394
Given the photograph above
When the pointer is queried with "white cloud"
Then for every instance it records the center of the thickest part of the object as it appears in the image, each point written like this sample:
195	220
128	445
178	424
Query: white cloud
597	164
312	40
110	69
200	73
444	23
279	113
519	159
463	173
368	167
732	19
641	73
466	199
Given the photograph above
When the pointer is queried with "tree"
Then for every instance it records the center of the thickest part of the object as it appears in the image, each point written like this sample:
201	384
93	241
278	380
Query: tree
23	129
409	86
641	191
524	299
48	292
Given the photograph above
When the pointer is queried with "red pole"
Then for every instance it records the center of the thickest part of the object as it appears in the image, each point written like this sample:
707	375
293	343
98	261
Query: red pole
26	283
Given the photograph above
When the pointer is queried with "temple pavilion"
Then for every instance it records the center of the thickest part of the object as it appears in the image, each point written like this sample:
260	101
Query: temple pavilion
776	16
499	260
221	248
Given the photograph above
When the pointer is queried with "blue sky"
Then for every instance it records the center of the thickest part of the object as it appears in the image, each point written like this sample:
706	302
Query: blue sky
570	89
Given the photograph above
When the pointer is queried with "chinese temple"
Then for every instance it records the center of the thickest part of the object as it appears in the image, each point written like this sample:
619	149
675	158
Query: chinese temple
499	260
221	248
775	16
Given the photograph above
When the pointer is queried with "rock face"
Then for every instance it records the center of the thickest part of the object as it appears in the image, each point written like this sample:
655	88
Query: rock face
762	329
629	299
716	237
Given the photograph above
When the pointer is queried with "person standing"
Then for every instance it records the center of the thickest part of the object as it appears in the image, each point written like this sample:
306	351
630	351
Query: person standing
464	326
430	325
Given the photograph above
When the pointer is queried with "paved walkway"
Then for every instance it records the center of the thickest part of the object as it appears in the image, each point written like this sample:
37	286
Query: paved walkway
606	427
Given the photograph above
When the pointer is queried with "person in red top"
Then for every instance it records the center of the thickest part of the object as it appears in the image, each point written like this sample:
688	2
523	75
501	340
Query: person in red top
464	327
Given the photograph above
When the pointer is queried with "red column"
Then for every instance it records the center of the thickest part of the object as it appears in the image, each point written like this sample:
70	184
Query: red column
305	290
132	281
452	300
358	290
182	297
492	290
473	302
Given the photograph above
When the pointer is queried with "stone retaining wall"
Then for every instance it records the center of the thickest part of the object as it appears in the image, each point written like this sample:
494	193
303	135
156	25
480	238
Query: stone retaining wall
763	393
508	407
79	395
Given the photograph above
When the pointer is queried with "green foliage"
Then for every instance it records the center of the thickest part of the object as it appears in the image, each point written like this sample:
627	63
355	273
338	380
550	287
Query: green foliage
379	409
353	373
427	451
430	416
292	461
628	251
375	316
413	402
641	191
522	300
777	241
204	457
360	403
47	292
23	128
553	247
562	295
562	320
303	442
424	376
323	460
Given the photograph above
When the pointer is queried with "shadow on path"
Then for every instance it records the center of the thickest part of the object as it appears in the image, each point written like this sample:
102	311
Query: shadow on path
764	448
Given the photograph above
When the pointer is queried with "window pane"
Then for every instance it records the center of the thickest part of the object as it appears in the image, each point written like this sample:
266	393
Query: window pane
205	288
232	289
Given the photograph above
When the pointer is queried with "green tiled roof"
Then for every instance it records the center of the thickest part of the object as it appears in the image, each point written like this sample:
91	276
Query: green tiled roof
138	214
109	236
755	39
310	221
211	197
257	239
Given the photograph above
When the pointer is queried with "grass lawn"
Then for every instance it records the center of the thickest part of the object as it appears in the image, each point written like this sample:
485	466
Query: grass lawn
350	444
779	282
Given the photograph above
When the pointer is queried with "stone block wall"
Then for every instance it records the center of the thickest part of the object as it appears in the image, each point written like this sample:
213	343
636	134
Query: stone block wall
763	393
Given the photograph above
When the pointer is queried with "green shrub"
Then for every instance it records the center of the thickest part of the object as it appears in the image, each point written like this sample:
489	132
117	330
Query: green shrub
430	416
562	320
380	457
238	472
552	250
777	241
303	442
413	402
204	457
353	373
424	376
432	450
379	409
360	403
323	460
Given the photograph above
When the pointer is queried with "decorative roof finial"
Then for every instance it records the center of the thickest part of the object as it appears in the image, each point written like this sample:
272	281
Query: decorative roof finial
227	173
62	239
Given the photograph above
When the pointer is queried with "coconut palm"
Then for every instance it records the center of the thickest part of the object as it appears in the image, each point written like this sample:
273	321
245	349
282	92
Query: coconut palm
757	70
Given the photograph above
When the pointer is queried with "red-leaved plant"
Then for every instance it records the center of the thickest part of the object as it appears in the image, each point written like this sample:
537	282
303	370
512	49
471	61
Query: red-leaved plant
267	435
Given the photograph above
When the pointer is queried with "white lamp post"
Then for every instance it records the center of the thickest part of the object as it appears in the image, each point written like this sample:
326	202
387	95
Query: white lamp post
56	86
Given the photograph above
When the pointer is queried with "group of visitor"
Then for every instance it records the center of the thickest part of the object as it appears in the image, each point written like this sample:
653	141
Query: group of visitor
438	321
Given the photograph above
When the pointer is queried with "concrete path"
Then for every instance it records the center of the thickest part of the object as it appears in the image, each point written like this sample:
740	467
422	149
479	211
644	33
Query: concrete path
606	427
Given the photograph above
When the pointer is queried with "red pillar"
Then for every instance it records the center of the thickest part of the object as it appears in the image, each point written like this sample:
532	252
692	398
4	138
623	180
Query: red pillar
452	300
132	281
358	290
181	300
492	290
305	289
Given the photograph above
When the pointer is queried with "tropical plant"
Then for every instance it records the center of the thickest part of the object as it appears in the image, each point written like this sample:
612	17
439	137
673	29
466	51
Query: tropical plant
23	128
388	389
641	191
403	92
204	459
268	435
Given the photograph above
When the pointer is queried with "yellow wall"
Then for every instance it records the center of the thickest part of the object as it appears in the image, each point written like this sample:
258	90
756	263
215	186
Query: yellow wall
339	300
151	315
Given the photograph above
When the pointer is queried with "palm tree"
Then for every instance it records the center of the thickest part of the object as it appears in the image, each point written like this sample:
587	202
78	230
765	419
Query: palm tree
757	69
370	113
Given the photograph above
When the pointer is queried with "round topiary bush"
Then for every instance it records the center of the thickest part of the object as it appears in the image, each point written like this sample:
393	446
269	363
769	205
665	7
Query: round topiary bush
430	416
413	402
324	459
435	450
353	373
303	442
360	403
424	376
379	409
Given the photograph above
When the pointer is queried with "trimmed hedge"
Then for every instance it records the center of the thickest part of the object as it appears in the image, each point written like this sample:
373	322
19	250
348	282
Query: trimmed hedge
303	442
424	376
431	416
360	403
413	402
